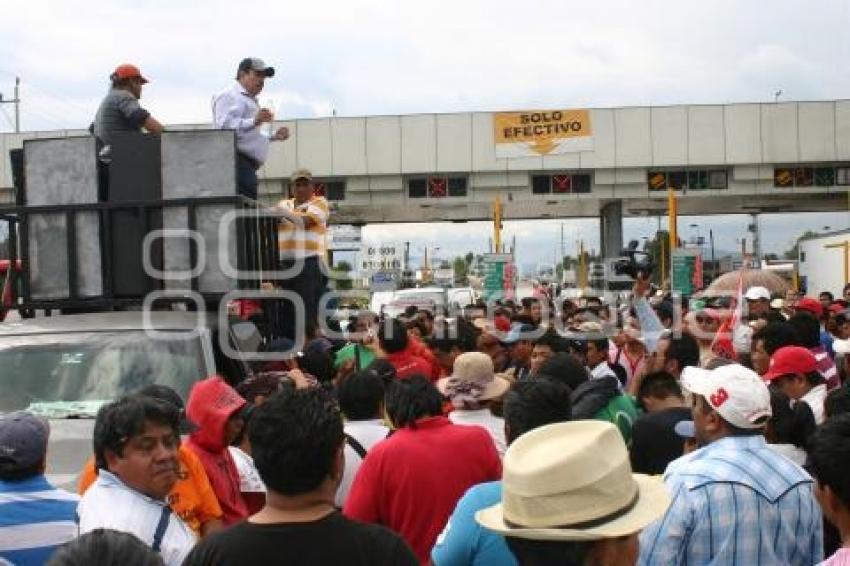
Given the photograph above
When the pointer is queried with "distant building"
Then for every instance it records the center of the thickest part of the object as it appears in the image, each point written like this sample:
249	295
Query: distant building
824	262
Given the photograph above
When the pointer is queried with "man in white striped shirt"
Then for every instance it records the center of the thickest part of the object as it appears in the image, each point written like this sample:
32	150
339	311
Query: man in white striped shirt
35	517
301	244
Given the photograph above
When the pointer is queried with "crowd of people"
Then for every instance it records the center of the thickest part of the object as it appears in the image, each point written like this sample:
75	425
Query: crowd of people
566	432
648	433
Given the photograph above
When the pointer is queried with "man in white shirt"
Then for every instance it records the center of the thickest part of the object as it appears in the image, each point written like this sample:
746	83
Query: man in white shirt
361	400
135	443
237	109
597	358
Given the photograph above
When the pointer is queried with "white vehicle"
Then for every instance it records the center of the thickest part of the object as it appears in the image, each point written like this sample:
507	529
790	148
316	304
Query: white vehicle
65	368
434	299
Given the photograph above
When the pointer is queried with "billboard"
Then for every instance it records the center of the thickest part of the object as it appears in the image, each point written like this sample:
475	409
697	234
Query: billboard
542	132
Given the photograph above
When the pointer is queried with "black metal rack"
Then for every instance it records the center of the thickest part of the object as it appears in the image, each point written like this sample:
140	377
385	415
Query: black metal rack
256	248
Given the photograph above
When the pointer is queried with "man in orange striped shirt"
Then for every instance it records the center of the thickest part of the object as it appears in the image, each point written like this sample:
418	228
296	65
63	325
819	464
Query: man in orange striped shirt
301	244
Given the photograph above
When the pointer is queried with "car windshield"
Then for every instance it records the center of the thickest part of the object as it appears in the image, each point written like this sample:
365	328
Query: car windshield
71	375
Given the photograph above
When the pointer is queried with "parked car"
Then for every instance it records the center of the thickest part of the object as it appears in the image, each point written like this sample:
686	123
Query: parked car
65	368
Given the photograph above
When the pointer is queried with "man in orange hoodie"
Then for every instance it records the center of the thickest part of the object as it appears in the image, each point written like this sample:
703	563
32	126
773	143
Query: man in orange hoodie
216	409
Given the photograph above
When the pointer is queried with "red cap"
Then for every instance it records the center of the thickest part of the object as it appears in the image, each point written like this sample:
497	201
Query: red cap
811	305
128	71
836	308
790	360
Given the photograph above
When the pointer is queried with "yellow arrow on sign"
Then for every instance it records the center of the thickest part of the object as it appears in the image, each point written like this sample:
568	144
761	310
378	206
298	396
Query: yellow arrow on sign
543	146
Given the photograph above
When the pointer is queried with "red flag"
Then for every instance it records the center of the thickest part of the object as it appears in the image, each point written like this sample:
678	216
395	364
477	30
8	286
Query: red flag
723	344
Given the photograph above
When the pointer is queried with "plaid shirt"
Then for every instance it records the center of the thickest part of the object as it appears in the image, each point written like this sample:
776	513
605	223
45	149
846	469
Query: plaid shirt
736	502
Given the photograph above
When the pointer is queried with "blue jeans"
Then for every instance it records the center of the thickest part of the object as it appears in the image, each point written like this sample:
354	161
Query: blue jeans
246	177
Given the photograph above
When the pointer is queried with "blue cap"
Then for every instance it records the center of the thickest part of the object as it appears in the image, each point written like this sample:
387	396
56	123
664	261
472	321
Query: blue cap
23	440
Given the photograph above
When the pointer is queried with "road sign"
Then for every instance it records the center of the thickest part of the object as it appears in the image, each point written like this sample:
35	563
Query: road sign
382	281
384	257
344	237
686	271
499	275
444	275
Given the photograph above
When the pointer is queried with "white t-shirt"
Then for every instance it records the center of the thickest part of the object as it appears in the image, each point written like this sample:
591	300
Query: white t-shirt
368	433
483	418
249	478
110	504
815	399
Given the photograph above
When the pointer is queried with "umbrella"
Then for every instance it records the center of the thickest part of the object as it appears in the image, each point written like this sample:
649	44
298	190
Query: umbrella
728	282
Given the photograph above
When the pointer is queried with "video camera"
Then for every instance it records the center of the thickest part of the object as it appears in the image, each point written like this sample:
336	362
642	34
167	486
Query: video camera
634	262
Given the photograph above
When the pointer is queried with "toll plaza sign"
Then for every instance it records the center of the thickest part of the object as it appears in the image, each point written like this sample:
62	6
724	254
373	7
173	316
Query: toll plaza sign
542	132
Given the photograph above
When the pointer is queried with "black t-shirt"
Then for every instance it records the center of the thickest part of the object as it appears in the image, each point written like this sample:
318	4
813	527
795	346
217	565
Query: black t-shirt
654	442
334	539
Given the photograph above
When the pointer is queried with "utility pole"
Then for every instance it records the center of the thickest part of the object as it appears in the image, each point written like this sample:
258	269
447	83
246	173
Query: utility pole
713	264
17	102
563	253
756	231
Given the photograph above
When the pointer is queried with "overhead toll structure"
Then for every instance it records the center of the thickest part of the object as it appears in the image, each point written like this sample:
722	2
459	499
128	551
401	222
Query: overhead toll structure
561	162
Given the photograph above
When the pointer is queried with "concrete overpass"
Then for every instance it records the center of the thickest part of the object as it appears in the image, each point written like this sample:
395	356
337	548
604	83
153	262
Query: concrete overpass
721	159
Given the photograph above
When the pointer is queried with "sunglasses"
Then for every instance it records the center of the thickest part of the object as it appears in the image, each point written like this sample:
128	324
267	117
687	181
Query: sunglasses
704	320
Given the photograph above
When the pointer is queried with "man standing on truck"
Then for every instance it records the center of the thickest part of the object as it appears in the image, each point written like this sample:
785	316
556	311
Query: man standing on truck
120	110
301	244
237	109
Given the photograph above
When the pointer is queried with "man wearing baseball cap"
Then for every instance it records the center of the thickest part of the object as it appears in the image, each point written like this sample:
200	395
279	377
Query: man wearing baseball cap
120	111
237	109
301	245
794	370
735	501
816	309
758	302
37	517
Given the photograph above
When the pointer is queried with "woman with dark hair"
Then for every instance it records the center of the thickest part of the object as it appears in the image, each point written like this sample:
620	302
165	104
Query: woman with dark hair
789	427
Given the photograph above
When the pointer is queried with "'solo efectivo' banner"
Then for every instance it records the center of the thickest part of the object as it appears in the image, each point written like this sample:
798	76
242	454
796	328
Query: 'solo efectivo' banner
542	132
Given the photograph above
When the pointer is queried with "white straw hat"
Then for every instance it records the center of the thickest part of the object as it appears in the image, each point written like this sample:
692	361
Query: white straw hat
572	481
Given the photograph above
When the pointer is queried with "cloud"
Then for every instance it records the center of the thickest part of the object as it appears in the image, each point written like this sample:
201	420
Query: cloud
385	56
380	56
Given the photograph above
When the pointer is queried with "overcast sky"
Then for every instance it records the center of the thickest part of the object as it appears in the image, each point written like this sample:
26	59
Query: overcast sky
391	56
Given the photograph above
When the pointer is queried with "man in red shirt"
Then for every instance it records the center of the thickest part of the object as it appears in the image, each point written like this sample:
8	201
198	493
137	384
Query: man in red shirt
395	343
412	481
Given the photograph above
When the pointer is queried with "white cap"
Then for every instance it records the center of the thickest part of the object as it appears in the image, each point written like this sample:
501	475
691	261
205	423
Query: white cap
757	294
737	393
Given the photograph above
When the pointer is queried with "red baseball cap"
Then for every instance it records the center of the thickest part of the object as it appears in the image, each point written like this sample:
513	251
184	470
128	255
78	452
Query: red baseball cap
811	305
790	360
128	71
836	308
